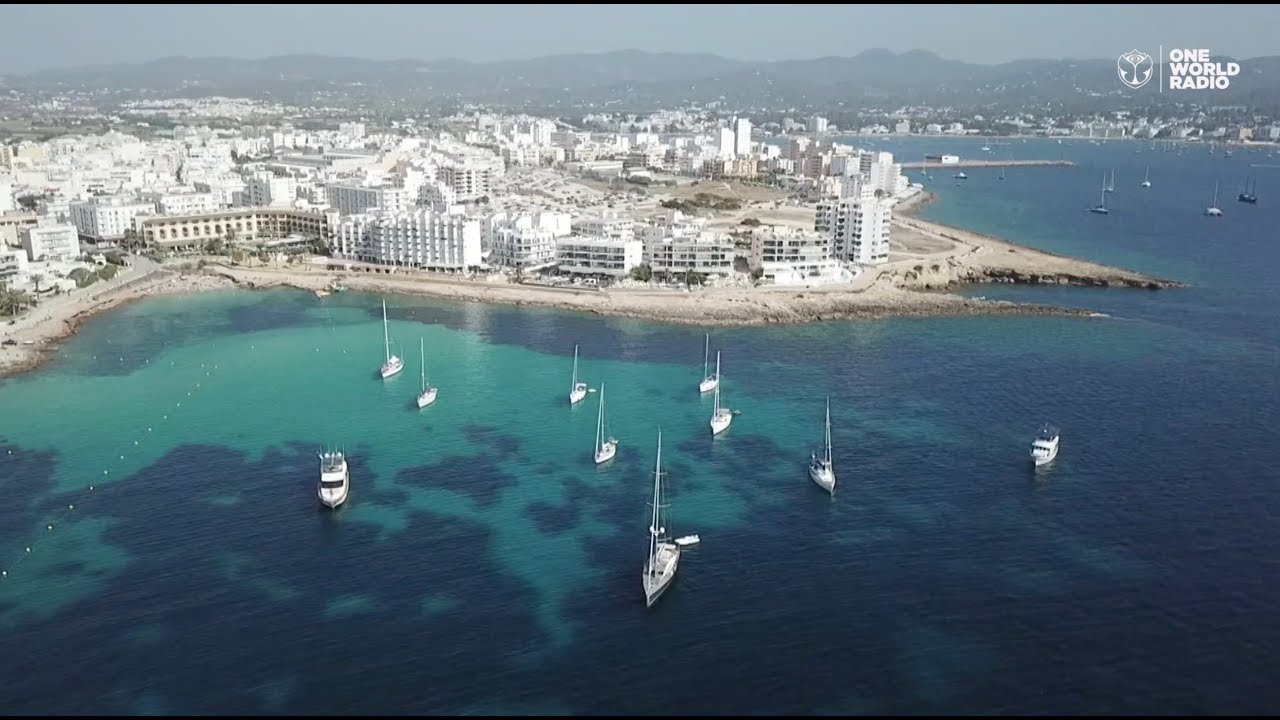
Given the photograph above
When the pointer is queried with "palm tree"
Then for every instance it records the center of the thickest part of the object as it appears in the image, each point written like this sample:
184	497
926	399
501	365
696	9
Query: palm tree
12	301
36	279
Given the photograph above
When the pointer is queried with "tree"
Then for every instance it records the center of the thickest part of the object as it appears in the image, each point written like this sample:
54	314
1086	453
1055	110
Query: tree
213	246
36	279
106	272
642	273
13	301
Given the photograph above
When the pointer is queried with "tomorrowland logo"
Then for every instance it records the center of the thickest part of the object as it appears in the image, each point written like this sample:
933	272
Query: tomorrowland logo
1135	68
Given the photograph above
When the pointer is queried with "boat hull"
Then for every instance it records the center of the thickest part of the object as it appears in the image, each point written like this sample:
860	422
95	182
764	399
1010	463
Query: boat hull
391	369
708	384
427	398
657	583
720	423
825	480
333	499
577	394
606	452
1044	458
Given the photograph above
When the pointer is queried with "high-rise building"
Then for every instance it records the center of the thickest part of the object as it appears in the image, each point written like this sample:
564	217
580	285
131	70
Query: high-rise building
817	124
423	238
858	226
725	147
741	137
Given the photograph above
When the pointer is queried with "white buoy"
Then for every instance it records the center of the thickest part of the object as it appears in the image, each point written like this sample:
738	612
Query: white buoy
28	548
90	487
4	573
71	507
135	442
48	527
104	472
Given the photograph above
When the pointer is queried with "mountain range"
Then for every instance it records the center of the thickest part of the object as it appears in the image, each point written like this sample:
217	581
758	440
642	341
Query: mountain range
637	79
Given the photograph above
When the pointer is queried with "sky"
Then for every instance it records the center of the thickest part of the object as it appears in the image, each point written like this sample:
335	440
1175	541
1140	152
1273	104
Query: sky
45	36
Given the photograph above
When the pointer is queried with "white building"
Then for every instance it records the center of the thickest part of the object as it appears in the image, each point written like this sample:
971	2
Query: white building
902	127
611	225
817	124
598	255
6	197
423	238
471	176
183	203
741	137
526	241
542	131
724	148
13	262
357	199
858	226
702	252
51	242
265	189
787	256
107	218
885	175
436	194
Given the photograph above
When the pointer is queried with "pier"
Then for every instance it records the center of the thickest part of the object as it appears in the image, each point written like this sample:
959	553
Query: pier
988	164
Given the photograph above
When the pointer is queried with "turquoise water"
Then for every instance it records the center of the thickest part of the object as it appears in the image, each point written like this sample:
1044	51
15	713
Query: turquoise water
484	564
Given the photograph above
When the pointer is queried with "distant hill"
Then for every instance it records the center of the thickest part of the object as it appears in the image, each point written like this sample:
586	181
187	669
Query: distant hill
632	78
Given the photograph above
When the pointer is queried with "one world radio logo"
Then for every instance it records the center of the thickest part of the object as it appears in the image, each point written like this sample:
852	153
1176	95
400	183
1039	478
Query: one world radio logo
1189	69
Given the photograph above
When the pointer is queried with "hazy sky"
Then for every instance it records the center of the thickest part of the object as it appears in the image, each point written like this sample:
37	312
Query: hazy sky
36	37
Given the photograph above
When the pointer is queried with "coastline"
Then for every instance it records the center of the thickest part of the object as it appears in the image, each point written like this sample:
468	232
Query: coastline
925	258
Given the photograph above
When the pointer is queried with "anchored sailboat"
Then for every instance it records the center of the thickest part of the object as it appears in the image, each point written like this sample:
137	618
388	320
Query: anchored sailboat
821	469
1250	194
664	555
720	416
1101	207
577	390
606	446
1146	179
1213	210
427	395
1111	186
393	365
709	382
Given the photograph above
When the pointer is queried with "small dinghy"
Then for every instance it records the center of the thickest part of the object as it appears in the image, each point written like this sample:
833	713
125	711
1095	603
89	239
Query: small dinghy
687	540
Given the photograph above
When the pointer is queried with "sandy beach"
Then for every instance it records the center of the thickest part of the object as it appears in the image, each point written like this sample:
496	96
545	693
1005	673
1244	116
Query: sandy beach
925	260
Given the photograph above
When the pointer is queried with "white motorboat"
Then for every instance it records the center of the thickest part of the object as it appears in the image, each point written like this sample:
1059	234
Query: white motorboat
709	382
720	416
427	394
664	554
1045	447
821	470
392	365
577	390
606	446
335	479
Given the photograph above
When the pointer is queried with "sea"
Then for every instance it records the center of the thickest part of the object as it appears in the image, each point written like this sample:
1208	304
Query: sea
164	551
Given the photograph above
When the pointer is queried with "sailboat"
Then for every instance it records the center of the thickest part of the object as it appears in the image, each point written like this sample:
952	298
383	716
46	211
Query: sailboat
924	170
606	446
1101	208
1001	172
577	390
720	416
821	470
1249	195
393	365
427	395
709	382
664	555
1111	186
1146	179
1213	210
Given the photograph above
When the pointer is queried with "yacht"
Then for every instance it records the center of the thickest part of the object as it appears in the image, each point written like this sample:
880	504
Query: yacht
1213	210
720	416
1045	447
960	176
709	382
393	365
606	446
335	479
821	470
664	555
427	394
1146	179
577	390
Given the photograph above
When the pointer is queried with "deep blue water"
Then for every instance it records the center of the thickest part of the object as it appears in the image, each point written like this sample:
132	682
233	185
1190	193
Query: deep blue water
484	566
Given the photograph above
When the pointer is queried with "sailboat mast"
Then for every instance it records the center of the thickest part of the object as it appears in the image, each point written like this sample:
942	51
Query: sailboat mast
654	530
422	350
574	383
706	356
716	405
386	334
600	419
828	458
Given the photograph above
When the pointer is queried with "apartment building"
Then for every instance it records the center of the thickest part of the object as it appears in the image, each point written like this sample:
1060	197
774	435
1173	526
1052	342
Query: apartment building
107	218
51	242
241	225
594	255
422	238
